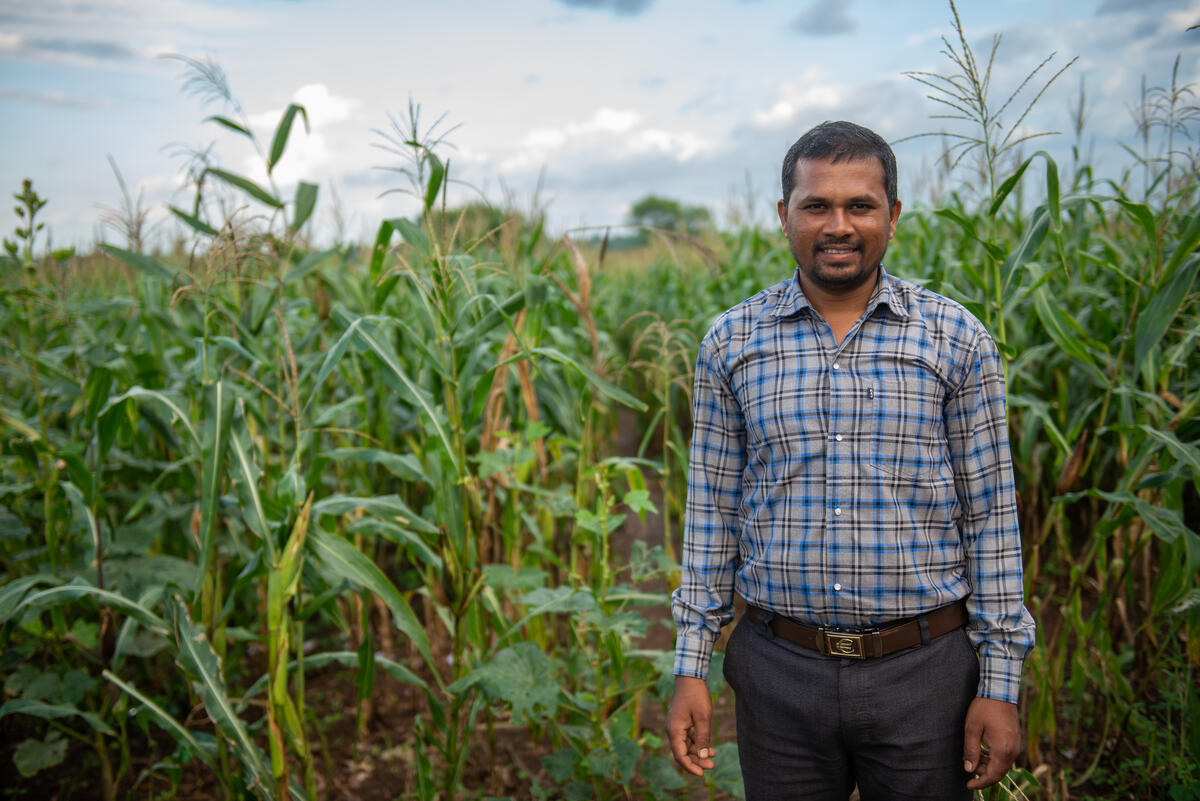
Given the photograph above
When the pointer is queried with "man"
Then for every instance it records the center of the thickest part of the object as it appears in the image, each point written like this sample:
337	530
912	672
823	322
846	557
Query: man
850	478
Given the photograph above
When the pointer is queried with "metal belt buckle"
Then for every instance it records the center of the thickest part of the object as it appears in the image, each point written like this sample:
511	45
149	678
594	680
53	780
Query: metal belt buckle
842	643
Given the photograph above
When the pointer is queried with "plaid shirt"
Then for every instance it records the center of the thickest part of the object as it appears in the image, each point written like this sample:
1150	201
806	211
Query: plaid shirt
854	484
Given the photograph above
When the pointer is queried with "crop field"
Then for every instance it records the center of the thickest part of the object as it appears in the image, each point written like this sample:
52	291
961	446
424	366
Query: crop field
401	519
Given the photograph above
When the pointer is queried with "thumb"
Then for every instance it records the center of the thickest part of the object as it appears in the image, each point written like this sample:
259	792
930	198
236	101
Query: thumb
702	735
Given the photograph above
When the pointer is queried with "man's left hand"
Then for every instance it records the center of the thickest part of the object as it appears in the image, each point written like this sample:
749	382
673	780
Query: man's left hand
991	725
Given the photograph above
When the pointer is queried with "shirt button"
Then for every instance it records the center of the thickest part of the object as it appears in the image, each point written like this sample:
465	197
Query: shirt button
837	437
837	587
837	366
838	511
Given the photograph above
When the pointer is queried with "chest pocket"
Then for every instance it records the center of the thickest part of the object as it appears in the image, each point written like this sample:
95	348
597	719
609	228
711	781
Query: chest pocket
910	428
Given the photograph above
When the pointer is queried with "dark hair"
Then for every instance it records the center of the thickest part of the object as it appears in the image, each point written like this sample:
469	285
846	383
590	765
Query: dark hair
836	141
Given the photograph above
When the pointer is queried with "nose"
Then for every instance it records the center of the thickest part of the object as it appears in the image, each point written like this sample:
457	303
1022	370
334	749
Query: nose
837	223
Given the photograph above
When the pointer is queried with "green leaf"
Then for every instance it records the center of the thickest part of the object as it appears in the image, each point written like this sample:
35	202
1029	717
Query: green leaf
282	131
218	420
1006	188
1141	214
437	172
1164	307
193	222
230	124
610	390
96	388
401	465
727	776
140	393
13	592
662	778
200	662
344	658
164	719
1184	453
77	499
344	560
32	756
246	185
306	201
387	506
401	535
1063	329
524	677
247	475
309	263
45	711
150	266
72	592
1035	234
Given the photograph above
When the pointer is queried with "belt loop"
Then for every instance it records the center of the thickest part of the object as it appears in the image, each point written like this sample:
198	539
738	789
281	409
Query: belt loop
923	623
762	619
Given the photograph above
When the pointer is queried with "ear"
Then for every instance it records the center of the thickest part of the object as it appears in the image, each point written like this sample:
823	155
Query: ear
895	215
781	207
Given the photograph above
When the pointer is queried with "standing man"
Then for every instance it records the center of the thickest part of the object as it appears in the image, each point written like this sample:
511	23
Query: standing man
850	478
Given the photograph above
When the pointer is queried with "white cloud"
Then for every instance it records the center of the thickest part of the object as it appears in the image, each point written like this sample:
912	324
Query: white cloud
608	135
322	106
812	91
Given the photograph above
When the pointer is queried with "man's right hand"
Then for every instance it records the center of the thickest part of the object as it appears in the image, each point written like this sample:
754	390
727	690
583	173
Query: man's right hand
689	725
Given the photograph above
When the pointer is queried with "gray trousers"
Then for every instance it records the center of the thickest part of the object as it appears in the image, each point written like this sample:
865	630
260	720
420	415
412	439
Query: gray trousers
812	726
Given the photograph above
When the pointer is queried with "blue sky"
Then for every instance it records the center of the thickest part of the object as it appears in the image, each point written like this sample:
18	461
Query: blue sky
598	102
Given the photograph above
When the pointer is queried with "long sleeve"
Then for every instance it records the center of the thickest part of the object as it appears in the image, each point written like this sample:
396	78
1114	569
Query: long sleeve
704	601
999	626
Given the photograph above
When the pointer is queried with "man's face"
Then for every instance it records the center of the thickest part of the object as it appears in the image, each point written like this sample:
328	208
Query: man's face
838	222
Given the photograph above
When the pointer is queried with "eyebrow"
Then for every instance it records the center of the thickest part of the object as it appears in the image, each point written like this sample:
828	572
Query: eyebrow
855	199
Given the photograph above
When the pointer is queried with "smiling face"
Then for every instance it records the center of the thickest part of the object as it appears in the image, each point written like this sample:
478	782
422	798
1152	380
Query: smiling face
838	222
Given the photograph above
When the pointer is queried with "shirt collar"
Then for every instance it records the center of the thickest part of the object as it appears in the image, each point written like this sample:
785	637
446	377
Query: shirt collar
794	300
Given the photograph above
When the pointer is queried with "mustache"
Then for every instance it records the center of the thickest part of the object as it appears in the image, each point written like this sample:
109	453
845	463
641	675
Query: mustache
824	243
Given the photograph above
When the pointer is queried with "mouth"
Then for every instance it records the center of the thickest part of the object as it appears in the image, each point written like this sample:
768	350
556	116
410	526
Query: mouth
837	250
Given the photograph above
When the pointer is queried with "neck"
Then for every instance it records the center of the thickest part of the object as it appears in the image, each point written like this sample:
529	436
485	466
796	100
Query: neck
839	303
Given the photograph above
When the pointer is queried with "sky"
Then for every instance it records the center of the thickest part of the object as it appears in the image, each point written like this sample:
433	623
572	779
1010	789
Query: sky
577	107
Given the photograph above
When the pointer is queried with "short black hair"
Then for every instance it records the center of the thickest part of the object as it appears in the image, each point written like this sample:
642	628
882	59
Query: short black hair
836	141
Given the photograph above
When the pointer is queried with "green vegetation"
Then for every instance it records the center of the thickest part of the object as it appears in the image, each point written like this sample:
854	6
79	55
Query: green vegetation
234	472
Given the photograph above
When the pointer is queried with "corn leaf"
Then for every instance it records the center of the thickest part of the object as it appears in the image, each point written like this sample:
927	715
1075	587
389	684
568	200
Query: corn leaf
200	662
282	131
344	560
163	718
150	266
246	185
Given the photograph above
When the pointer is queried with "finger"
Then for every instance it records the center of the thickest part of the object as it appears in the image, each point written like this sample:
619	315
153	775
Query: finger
972	739
680	748
988	771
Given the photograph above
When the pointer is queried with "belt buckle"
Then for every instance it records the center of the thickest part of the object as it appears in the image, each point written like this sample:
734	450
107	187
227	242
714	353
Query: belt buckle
842	643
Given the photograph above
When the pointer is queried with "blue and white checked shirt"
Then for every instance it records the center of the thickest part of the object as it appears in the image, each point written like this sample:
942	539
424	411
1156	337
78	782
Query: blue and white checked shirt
856	484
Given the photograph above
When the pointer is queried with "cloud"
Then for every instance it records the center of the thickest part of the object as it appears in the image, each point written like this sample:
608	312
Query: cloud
609	135
56	48
88	48
625	8
313	155
825	18
813	92
1119	6
322	106
55	99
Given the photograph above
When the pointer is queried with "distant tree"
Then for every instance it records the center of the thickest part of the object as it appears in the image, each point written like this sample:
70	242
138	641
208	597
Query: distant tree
666	214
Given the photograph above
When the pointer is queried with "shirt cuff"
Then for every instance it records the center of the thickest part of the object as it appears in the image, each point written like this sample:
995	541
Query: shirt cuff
692	655
999	678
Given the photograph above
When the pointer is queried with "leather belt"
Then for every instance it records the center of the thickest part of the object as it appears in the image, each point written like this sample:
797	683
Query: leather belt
868	642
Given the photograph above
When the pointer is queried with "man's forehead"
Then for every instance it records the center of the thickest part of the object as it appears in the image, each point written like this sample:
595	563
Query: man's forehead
805	166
